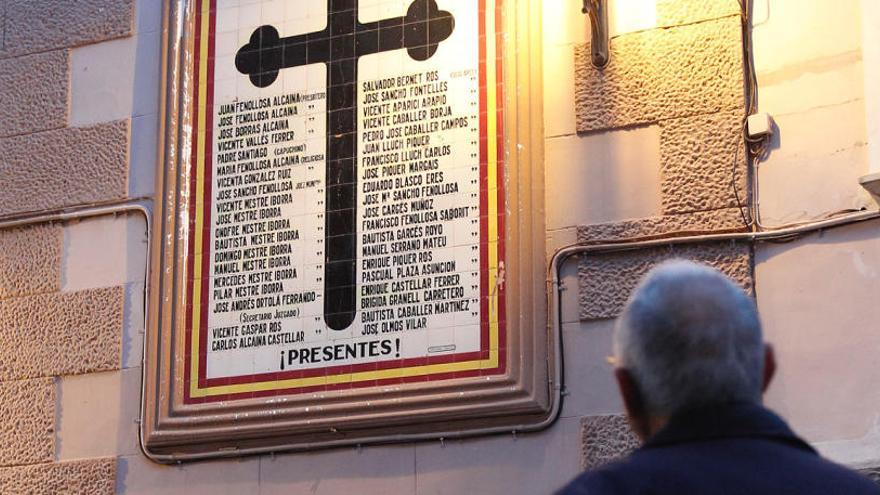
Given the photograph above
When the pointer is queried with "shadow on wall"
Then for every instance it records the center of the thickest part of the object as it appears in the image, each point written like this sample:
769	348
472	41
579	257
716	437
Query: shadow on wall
817	296
499	464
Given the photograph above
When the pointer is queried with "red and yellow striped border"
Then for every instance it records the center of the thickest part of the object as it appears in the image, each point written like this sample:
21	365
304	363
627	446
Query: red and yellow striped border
489	361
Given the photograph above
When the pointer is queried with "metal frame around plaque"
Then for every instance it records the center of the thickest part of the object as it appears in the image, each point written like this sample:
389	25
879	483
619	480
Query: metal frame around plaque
525	396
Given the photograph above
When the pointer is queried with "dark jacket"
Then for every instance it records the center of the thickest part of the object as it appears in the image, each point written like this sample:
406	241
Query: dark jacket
734	450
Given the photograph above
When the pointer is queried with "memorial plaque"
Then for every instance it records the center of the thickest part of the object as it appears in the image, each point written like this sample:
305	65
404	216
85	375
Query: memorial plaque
341	206
347	216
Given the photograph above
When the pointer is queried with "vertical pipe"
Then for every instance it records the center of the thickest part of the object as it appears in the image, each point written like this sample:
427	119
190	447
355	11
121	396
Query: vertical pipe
599	45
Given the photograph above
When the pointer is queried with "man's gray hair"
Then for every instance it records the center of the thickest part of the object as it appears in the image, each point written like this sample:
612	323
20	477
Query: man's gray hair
690	337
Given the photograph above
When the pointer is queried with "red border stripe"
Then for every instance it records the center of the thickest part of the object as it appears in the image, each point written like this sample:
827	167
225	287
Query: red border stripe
345	369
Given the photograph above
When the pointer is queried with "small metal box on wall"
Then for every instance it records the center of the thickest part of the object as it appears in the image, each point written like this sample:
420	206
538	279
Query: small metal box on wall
350	226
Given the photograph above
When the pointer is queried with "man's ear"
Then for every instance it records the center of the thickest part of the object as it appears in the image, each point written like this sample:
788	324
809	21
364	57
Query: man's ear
634	403
769	366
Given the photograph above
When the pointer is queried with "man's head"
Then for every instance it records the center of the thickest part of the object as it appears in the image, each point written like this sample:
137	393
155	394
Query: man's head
688	337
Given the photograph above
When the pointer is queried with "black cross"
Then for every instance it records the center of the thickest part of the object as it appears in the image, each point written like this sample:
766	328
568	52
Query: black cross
340	45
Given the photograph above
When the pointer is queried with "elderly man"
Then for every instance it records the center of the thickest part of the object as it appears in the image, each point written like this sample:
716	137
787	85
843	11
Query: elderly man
691	366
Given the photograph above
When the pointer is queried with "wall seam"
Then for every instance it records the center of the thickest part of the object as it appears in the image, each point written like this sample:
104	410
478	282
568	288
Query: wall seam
31	379
64	292
57	48
820	107
674	26
723	109
650	123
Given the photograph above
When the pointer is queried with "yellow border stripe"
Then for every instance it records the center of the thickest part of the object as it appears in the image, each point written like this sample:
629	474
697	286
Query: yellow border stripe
343	378
492	176
200	193
492	202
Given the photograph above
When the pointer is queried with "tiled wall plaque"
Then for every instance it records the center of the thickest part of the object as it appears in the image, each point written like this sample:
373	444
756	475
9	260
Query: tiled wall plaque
339	207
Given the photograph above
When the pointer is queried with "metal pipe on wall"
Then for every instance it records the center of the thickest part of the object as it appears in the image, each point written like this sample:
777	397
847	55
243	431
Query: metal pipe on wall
554	286
138	205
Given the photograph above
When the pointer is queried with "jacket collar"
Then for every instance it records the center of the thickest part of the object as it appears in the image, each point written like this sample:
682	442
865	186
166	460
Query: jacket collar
726	421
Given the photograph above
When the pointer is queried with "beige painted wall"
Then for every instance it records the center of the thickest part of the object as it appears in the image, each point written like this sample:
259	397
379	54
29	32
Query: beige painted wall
871	54
818	295
644	163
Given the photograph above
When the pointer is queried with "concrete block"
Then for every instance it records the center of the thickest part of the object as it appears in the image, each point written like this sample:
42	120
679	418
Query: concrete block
63	23
871	55
814	164
726	220
97	414
121	259
31	261
630	16
589	377
811	86
61	333
662	74
602	177
91	476
818	302
564	24
698	168
559	113
799	97
380	469
132	66
133	326
676	12
607	280
137	475
28	427
65	167
605	439
34	93
538	462
102	78
560	238
787	38
230	477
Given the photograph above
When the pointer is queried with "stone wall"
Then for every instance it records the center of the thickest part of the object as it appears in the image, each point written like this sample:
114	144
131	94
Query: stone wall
54	330
813	293
683	77
645	148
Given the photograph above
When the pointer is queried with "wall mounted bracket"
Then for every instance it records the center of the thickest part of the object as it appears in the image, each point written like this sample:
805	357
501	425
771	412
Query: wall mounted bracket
598	12
871	182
